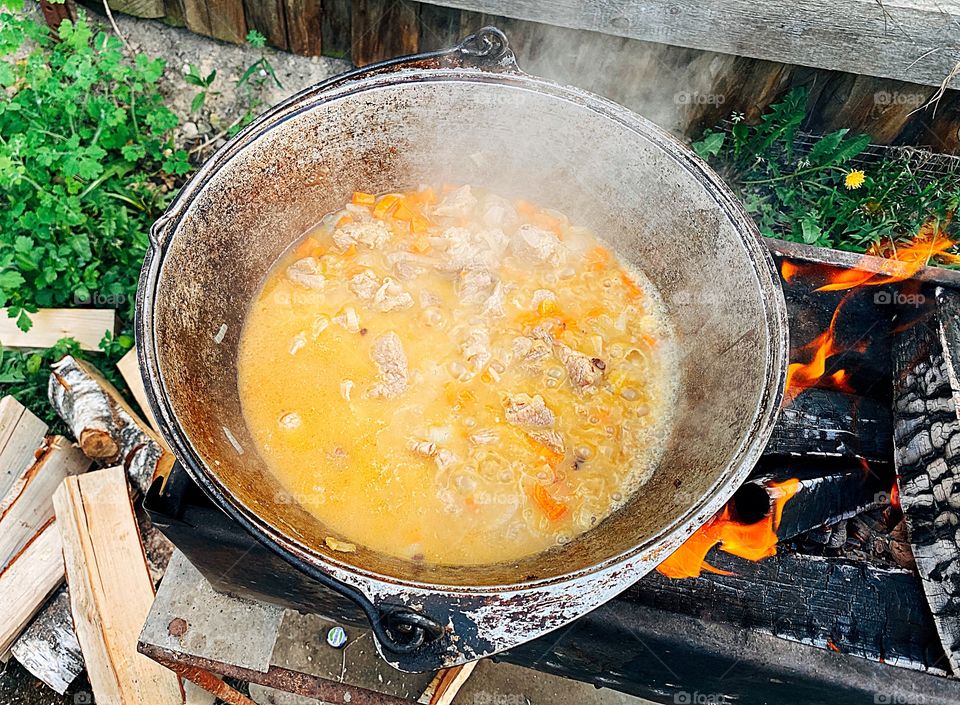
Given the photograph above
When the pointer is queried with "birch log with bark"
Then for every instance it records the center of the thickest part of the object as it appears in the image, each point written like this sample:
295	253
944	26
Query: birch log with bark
927	456
48	648
105	426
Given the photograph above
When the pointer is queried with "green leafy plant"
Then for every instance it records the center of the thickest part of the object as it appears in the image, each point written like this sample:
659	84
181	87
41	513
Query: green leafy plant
88	163
195	78
827	192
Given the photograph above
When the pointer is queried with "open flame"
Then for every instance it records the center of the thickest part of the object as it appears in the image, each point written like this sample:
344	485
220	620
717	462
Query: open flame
898	264
751	541
759	540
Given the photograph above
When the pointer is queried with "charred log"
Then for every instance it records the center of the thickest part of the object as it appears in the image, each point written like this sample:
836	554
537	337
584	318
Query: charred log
876	613
833	423
927	444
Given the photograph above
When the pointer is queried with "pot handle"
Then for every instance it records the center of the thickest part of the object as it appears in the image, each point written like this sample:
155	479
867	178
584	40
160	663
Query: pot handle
487	50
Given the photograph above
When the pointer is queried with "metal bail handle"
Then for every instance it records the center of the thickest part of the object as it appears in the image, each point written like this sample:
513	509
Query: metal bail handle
488	48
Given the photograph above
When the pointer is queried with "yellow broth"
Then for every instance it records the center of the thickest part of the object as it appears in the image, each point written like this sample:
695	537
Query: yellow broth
452	377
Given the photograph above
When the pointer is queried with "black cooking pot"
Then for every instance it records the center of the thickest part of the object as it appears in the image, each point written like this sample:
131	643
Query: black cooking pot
465	115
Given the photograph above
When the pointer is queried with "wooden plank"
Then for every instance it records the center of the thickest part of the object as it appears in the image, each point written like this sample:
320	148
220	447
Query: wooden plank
110	589
439	27
222	19
105	426
383	29
21	433
85	325
26	583
904	40
48	648
152	9
927	443
29	505
304	19
130	371
269	18
446	684
336	17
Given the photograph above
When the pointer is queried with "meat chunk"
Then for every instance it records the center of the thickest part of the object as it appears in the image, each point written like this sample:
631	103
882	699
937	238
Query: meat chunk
372	234
474	286
493	306
391	297
527	411
535	245
457	204
551	439
497	212
529	353
465	249
476	348
483	437
581	370
427	449
306	273
364	284
387	353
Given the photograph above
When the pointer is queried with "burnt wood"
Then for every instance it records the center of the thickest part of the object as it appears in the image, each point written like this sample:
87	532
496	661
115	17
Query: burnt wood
677	659
927	440
833	423
829	491
875	613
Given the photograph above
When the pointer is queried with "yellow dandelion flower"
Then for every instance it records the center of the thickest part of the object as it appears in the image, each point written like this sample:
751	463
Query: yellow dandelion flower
854	179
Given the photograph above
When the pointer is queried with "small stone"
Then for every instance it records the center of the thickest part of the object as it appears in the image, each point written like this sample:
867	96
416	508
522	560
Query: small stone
177	627
336	637
190	130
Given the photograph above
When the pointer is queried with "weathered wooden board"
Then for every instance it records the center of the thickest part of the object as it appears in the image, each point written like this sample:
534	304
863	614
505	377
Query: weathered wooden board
907	40
26	583
110	589
927	455
21	433
28	507
269	18
383	29
85	325
139	8
304	26
223	19
336	17
48	648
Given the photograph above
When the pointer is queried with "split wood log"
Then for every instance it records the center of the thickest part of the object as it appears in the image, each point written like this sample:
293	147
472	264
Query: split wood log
48	648
446	684
28	507
21	433
105	426
85	325
927	455
27	582
130	371
110	589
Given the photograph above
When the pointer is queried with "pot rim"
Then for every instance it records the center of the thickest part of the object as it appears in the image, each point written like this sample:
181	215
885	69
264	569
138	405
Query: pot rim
653	549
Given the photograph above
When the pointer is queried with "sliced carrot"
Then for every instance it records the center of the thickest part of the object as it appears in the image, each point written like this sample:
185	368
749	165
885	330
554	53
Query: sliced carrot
424	197
525	209
447	188
633	291
306	248
387	205
597	258
363	199
649	340
419	224
548	454
547	307
319	252
344	219
548	505
421	244
350	252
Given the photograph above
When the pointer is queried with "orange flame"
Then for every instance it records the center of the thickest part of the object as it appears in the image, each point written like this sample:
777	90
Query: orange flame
750	541
899	263
895	495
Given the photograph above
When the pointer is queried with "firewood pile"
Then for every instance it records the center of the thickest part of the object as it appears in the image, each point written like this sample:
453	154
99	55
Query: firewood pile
79	562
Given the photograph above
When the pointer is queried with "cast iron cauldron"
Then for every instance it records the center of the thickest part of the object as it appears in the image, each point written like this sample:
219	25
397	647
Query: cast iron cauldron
465	115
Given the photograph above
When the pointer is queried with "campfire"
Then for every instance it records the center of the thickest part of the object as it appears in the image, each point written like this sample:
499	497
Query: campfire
756	537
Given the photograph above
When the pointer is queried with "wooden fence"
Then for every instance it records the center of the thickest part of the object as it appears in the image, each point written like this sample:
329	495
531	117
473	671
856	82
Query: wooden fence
685	80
